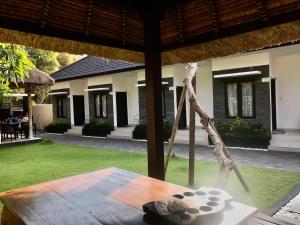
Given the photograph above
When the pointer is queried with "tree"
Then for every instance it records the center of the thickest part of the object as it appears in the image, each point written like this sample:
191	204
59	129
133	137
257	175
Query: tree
41	93
43	60
48	62
66	59
14	66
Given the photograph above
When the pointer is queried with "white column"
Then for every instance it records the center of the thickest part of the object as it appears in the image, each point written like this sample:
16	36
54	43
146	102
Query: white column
174	97
86	104
71	109
115	108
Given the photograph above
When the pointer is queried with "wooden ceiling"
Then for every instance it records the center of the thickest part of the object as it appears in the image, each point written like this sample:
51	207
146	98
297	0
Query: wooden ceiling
118	23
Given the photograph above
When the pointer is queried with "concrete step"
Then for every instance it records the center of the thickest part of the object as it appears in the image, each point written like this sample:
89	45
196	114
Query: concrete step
291	144
121	133
283	149
75	130
186	141
292	137
120	136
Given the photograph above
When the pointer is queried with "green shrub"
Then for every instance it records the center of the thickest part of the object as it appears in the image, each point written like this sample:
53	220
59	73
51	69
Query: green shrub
99	128
242	129
140	131
167	130
58	126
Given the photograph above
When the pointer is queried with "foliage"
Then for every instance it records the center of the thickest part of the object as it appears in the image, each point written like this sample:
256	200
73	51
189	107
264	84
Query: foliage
66	59
43	60
58	126
140	131
40	162
4	99
97	127
241	128
41	93
48	62
14	66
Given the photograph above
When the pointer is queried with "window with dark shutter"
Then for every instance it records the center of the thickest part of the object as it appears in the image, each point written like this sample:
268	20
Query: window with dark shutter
240	99
100	102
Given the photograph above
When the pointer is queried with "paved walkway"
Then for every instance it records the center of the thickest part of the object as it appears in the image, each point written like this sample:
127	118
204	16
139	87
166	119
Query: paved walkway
267	159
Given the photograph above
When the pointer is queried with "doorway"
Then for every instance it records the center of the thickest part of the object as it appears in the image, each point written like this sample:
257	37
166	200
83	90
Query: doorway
273	102
78	109
122	116
182	119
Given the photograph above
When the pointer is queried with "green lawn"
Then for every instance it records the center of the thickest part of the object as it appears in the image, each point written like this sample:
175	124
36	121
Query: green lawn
35	163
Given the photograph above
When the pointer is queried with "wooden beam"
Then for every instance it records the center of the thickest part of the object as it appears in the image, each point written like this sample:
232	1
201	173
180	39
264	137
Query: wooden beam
235	30
175	127
124	26
192	141
214	14
89	18
34	28
45	13
180	23
29	113
262	10
154	93
141	6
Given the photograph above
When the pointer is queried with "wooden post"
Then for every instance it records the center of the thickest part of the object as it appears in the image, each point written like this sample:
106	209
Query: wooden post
175	127
154	91
30	114
192	141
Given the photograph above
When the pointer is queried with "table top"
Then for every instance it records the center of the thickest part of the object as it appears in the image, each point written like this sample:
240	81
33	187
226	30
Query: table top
111	196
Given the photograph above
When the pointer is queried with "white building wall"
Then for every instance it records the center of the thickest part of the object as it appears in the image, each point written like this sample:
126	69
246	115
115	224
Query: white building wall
239	61
125	82
132	99
287	73
86	103
60	85
204	88
76	88
167	71
107	79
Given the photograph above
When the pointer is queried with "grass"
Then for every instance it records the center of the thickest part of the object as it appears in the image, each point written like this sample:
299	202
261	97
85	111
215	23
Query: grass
35	163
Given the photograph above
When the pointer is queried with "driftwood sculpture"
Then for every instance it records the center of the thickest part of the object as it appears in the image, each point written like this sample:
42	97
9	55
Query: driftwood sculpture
224	159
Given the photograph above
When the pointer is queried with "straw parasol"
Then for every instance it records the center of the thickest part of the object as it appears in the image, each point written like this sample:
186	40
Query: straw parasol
35	78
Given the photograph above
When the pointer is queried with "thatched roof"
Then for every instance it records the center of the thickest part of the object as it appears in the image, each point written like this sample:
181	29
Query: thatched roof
254	40
35	78
191	30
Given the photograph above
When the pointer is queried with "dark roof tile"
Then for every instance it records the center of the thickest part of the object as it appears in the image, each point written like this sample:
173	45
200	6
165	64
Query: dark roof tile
93	66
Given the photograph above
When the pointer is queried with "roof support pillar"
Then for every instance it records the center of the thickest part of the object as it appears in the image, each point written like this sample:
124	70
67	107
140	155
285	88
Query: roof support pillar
154	93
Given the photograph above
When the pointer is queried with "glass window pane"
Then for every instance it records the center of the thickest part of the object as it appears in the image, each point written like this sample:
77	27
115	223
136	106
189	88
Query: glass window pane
232	99
104	110
58	107
247	99
97	105
64	106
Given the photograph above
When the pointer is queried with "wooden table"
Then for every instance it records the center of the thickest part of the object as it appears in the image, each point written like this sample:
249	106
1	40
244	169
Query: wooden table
111	197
